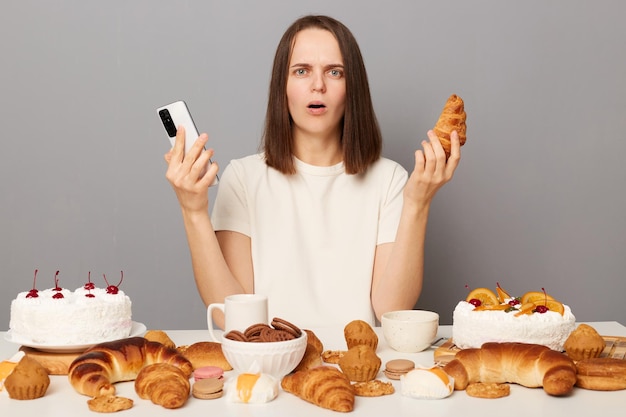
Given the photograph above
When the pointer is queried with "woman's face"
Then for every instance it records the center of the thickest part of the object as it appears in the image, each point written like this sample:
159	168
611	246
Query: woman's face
316	87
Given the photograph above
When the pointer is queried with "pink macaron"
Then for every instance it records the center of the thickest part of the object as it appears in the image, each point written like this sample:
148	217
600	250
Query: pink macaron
206	372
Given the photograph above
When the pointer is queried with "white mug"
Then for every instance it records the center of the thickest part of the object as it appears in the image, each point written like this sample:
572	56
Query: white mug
240	311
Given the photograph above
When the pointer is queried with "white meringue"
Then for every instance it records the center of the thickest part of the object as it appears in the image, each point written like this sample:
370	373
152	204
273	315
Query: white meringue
426	383
252	388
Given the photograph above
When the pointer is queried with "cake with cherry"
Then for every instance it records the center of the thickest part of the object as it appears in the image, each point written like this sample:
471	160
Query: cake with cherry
61	317
488	316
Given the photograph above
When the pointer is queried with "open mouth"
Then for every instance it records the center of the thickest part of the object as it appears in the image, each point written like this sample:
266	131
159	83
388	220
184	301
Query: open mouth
316	106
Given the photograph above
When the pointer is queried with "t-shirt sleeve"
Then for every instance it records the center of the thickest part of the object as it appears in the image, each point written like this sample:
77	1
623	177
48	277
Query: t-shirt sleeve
230	209
391	206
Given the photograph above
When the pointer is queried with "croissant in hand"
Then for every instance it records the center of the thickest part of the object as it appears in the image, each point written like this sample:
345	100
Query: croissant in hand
526	364
324	386
95	371
452	118
163	384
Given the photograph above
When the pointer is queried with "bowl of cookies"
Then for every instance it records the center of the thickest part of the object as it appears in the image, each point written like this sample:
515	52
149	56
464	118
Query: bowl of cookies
274	349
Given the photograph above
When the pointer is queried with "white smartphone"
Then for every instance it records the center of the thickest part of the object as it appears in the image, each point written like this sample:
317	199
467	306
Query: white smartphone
177	114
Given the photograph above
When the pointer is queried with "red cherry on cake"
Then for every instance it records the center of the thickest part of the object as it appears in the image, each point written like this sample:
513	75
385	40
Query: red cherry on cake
34	293
541	309
57	288
89	285
56	282
475	302
113	289
514	302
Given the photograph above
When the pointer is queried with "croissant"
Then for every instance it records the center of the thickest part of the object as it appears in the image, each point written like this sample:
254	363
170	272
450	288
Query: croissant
324	386
163	384
95	371
452	118
526	364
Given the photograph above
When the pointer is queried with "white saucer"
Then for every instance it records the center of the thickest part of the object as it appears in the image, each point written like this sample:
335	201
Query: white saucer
137	329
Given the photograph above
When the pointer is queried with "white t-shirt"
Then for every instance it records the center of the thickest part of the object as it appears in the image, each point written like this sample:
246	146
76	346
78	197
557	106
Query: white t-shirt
313	234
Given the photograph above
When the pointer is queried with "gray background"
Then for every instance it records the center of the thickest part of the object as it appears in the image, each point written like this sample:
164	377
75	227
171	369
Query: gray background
536	202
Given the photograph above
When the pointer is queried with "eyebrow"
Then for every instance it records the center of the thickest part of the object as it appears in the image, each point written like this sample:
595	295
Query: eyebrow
309	65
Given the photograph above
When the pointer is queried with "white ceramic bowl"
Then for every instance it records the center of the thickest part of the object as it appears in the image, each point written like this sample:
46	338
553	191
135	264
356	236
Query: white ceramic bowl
410	330
274	358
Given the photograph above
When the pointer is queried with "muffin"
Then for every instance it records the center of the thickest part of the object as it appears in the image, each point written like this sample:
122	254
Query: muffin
29	380
584	343
360	363
358	332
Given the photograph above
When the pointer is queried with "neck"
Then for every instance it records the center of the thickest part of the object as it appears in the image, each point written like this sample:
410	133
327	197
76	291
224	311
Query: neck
318	150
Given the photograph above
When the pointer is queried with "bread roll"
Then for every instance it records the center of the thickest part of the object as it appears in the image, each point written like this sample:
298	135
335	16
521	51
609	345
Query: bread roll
159	336
601	374
95	371
529	365
205	354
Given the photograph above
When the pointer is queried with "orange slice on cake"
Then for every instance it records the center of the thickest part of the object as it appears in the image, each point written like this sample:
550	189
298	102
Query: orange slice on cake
535	297
485	295
553	305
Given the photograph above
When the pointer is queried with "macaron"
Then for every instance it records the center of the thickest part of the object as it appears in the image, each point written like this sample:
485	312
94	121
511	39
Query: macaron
208	389
208	372
398	367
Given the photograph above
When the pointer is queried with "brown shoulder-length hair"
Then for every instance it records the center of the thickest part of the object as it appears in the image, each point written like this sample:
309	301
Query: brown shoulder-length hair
361	137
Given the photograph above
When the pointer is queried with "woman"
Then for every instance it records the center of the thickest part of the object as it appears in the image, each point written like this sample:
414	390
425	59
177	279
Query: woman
319	221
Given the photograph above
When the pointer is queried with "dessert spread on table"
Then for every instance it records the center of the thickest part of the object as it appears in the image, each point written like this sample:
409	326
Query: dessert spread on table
497	339
332	379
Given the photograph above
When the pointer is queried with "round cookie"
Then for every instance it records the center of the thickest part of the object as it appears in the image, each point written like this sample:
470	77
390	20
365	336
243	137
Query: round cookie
208	389
398	367
236	335
255	330
280	324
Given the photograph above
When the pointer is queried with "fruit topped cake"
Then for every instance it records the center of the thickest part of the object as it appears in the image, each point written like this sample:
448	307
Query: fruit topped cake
536	317
61	317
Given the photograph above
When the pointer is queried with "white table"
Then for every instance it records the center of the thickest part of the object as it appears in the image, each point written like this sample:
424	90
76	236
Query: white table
62	400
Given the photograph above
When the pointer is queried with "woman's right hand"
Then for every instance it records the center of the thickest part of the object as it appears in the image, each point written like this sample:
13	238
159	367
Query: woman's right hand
191	175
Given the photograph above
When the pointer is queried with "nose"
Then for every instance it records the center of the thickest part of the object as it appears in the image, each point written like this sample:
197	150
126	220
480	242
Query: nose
317	82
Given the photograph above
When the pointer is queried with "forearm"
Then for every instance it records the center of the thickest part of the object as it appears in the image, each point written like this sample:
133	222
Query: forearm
398	282
213	277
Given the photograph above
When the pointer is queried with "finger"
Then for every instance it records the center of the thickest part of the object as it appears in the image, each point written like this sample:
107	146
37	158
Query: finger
436	145
195	151
455	153
168	156
178	150
429	156
420	160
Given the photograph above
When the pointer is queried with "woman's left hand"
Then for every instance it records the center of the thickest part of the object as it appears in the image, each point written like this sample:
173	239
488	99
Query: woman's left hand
432	170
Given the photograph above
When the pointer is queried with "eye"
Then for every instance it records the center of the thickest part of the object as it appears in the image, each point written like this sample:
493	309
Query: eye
336	73
300	72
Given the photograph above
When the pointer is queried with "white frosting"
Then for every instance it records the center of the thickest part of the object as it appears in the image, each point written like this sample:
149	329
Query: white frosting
72	320
245	389
426	384
470	329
